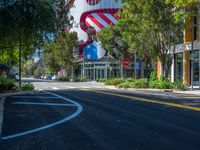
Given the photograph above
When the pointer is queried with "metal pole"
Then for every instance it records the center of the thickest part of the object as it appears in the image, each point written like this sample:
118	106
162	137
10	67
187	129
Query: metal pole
135	66
192	47
20	63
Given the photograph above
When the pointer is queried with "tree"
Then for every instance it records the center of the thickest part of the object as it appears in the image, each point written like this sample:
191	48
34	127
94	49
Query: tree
112	41
151	26
59	52
48	56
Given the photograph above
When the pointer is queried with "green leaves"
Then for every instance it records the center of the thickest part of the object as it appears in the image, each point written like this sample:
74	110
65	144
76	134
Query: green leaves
60	51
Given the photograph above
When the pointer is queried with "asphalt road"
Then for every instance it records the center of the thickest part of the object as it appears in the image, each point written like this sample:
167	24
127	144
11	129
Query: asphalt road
83	120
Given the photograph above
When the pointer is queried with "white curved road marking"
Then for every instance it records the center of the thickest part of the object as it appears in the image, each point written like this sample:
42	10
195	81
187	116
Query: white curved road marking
42	104
79	109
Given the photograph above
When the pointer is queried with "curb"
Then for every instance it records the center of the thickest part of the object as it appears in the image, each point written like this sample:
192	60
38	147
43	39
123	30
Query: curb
195	92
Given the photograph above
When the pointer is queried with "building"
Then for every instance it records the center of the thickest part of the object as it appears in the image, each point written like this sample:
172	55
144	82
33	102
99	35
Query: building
90	16
186	62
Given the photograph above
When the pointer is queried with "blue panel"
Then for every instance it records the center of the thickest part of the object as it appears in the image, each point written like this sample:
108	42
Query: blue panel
90	51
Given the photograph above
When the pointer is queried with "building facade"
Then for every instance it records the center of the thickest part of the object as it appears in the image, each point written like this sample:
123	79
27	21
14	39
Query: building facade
186	60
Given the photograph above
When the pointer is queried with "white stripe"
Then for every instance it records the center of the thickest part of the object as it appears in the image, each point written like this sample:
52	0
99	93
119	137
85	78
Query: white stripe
26	96
67	118
93	24
111	18
97	17
42	104
70	87
86	87
55	88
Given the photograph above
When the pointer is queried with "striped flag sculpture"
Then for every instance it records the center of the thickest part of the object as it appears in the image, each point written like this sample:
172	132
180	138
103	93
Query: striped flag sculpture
94	16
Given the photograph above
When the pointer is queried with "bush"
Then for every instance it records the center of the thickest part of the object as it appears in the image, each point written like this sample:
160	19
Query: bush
129	80
114	81
101	80
164	83
179	85
27	86
63	79
79	79
140	83
124	85
6	84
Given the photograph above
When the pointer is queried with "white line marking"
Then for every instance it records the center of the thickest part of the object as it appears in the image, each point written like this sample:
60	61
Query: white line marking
79	109
42	104
86	87
55	88
70	87
24	96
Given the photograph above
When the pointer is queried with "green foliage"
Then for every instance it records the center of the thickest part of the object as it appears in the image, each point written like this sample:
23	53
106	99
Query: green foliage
60	51
140	83
114	81
112	41
63	79
124	85
153	82
6	84
129	79
179	85
79	79
164	83
151	28
101	80
27	87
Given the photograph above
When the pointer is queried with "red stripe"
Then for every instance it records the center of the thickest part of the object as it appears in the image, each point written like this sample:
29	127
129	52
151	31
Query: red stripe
115	16
87	23
96	21
106	19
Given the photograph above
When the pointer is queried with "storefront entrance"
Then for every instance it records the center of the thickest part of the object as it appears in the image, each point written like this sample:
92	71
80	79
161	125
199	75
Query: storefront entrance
100	73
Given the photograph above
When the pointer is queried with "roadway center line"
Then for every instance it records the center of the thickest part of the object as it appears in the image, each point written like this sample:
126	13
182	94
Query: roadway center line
65	119
42	104
147	100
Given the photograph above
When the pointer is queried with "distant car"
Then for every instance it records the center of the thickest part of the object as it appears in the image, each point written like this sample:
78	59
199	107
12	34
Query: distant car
49	77
54	77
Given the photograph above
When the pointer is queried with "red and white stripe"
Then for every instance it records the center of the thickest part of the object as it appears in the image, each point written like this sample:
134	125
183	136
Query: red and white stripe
101	20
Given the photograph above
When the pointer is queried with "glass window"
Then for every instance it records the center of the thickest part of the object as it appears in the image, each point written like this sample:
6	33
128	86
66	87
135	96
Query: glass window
179	66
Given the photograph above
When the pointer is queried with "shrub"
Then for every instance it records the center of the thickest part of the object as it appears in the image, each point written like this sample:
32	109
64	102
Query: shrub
179	85
7	84
63	79
27	86
140	83
79	79
153	76
101	80
129	80
124	85
115	81
164	83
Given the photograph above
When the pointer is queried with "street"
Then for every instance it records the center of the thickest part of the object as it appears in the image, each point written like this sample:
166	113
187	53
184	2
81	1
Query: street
89	116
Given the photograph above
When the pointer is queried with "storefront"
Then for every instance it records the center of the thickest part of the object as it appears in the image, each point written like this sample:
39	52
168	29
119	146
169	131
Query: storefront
195	68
